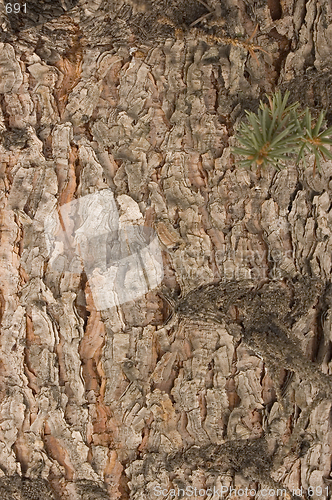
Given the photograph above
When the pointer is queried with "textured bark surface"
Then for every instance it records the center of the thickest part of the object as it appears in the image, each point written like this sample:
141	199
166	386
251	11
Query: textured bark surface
205	387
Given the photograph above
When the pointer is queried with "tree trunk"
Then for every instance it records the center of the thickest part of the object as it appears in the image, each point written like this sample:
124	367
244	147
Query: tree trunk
139	391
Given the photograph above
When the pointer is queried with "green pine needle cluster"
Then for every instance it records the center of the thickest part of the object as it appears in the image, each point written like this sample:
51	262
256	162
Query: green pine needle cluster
278	132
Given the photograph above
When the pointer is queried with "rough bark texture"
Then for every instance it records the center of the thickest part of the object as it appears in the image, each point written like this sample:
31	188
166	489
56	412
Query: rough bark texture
227	384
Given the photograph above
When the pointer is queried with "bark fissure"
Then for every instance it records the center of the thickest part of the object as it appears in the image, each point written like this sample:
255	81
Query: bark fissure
220	375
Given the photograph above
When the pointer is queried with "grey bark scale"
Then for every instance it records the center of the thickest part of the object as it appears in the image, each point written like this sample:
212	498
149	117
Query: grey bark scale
140	98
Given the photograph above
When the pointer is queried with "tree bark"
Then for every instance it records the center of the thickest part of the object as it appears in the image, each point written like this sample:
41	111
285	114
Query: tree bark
148	396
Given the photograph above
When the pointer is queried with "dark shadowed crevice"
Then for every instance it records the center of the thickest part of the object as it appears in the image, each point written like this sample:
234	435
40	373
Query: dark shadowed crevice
275	9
